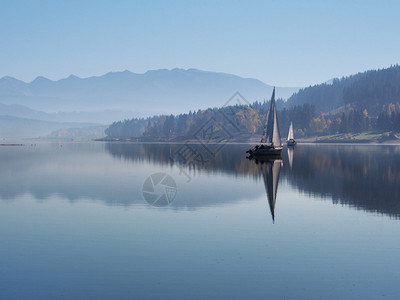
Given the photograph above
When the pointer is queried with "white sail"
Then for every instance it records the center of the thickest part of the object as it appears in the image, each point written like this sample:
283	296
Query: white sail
271	131
290	134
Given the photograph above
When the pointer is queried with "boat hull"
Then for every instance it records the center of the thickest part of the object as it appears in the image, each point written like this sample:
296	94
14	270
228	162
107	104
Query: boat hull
265	151
291	143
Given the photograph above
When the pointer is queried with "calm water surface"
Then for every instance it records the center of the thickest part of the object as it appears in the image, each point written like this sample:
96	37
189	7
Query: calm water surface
156	221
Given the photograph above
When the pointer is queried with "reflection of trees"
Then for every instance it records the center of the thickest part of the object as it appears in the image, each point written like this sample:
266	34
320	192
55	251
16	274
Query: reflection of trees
366	177
230	159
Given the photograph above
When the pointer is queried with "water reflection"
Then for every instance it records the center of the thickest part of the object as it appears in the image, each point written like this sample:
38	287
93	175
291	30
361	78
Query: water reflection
115	174
362	177
290	153
365	177
230	160
270	169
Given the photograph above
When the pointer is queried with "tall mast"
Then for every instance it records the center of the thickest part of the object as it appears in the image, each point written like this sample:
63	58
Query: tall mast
271	130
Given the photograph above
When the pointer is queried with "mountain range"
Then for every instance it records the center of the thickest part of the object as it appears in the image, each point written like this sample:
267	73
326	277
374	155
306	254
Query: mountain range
115	96
127	94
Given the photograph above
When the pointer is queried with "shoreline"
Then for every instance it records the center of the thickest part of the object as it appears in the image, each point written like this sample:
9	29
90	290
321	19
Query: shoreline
313	140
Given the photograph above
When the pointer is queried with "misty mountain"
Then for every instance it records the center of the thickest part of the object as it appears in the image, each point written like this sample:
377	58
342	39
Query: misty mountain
154	92
14	128
85	133
102	117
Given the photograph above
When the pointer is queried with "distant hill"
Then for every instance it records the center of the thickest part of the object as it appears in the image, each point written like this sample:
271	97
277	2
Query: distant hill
154	92
355	103
44	106
365	102
102	117
15	128
368	90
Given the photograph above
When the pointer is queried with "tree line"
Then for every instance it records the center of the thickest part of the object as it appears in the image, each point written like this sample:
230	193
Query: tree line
236	121
362	102
242	122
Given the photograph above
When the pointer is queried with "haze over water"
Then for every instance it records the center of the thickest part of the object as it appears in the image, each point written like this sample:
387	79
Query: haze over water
75	223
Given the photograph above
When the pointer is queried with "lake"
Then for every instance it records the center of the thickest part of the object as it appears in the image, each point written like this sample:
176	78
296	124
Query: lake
184	221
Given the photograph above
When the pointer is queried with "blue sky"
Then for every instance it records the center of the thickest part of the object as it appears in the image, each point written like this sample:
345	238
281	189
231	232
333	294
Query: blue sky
282	43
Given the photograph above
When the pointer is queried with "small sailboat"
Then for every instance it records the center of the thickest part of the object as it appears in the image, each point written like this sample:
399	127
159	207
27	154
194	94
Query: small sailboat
270	144
290	139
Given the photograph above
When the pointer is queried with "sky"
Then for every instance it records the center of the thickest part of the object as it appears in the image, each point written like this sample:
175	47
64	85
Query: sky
282	43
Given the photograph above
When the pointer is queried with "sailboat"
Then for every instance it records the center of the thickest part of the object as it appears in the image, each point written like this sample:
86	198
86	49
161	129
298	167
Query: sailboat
270	144
290	139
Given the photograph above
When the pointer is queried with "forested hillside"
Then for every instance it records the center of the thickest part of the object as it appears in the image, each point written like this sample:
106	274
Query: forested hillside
369	90
228	123
363	102
374	89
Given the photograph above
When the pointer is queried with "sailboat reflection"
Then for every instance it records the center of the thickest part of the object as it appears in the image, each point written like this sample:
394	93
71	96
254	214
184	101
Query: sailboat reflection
290	151
270	169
